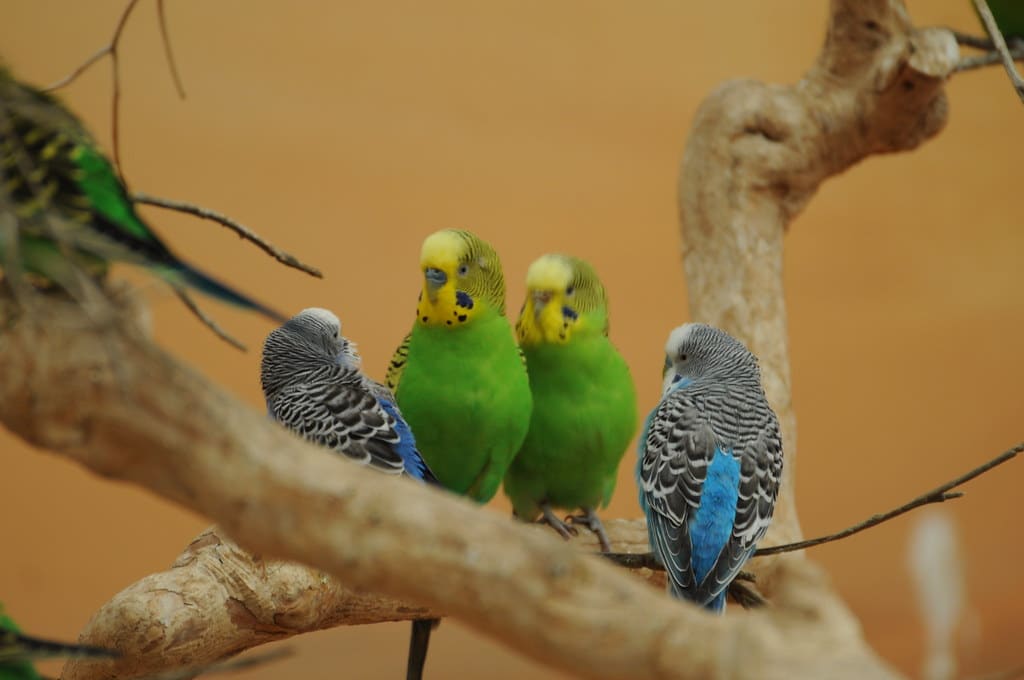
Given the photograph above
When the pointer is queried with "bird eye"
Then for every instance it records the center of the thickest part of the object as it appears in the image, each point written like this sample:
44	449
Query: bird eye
570	289
682	357
463	269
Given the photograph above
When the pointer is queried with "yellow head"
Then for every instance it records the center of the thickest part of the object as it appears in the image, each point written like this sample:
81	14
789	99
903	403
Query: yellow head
564	298
461	279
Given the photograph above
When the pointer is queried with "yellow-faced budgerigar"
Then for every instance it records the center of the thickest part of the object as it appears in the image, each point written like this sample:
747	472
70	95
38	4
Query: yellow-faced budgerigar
63	209
584	400
458	376
313	385
709	464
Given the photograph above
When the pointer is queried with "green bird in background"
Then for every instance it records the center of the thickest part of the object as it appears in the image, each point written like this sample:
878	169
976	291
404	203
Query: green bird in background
18	651
584	399
1009	16
68	209
459	379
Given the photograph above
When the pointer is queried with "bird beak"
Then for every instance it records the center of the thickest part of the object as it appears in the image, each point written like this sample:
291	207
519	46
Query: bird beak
434	278
540	298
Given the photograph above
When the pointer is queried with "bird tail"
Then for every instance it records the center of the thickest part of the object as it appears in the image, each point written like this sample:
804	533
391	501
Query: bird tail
717	604
214	288
419	640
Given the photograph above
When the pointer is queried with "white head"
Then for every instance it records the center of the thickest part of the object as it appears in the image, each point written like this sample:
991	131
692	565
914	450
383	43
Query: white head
698	353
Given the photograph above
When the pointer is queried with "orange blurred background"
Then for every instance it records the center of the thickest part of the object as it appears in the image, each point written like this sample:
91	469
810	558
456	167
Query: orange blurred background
346	131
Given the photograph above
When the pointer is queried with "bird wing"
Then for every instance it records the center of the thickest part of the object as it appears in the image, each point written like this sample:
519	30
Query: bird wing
340	413
397	365
760	474
676	452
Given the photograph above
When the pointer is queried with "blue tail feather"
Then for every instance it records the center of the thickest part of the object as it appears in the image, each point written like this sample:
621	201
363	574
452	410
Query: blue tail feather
214	288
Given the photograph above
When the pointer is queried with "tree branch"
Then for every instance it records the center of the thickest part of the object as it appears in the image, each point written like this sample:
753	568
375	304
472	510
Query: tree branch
755	156
1000	45
217	600
243	231
279	496
936	495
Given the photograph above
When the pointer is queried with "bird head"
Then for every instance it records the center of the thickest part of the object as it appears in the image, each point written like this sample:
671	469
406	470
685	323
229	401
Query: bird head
461	279
696	352
564	298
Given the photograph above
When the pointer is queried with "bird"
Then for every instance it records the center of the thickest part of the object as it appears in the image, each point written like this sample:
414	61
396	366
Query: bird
70	211
18	651
458	376
584	400
312	383
709	463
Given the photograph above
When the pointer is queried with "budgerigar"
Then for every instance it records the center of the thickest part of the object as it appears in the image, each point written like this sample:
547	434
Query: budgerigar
584	400
710	461
18	651
458	376
313	386
63	209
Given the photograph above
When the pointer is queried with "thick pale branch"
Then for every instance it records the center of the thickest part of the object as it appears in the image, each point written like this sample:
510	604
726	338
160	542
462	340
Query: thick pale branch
281	497
217	600
758	152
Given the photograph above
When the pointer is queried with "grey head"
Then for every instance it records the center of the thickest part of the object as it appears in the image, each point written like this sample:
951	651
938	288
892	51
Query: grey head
698	354
305	343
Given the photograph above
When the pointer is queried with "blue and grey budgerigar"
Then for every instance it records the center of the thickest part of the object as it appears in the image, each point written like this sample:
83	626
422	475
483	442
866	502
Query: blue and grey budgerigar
710	462
313	386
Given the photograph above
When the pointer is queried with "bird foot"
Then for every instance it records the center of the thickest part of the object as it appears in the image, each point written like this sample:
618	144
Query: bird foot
589	519
548	517
747	597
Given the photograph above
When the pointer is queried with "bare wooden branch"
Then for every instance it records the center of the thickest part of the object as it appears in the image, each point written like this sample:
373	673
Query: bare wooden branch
1000	46
243	231
756	155
206	320
165	36
937	495
217	600
281	497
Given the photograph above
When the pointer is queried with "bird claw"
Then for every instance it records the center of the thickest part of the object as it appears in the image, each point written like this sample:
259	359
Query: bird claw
589	519
566	531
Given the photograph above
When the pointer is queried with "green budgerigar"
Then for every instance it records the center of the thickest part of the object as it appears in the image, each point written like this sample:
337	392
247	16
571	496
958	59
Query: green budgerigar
459	379
63	209
584	400
18	651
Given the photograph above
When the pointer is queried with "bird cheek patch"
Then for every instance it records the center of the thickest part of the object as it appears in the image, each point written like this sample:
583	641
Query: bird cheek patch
452	308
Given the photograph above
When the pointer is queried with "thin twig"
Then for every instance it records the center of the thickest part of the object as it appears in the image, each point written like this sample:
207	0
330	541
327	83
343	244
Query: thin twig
969	40
937	495
111	49
240	229
987	59
168	52
207	321
1000	45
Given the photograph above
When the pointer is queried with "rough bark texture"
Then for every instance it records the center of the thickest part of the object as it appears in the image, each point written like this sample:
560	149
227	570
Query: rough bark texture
755	156
217	599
